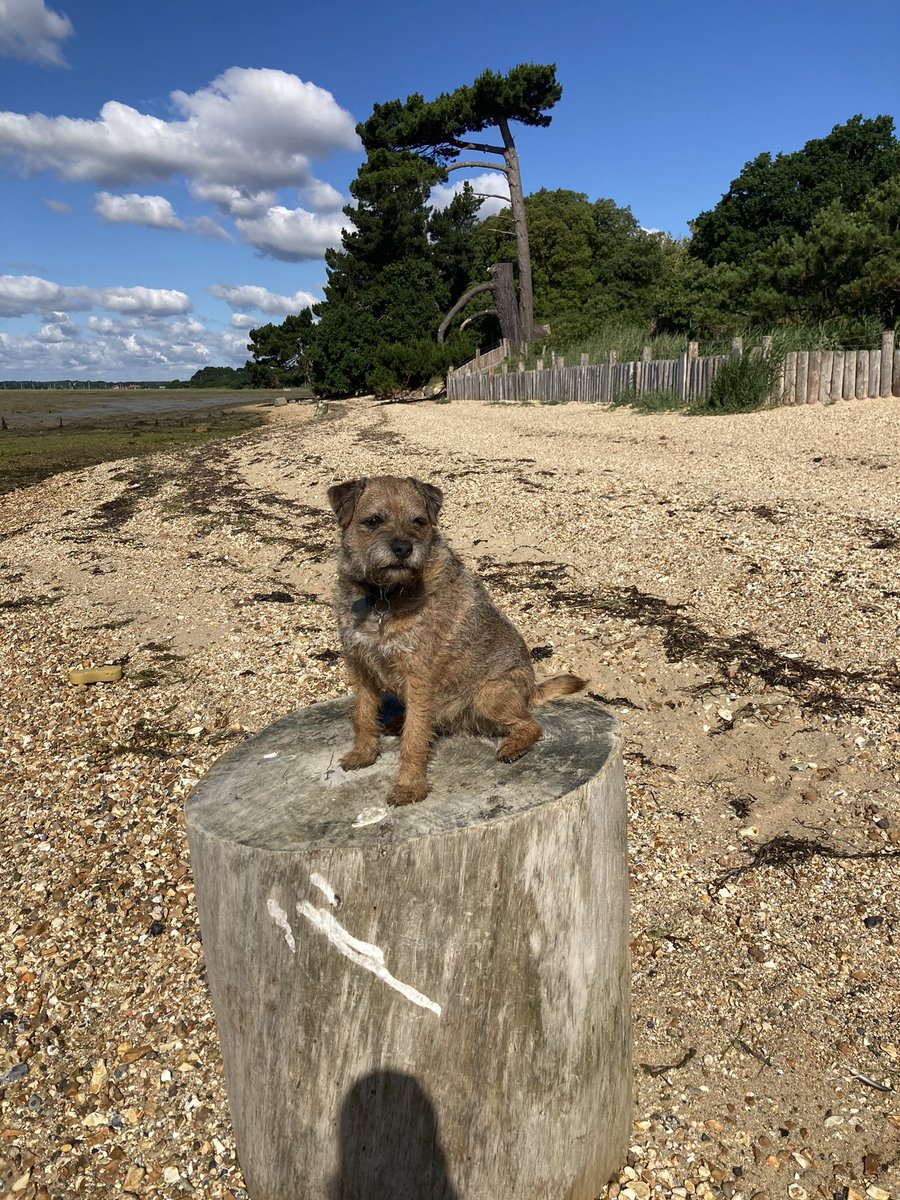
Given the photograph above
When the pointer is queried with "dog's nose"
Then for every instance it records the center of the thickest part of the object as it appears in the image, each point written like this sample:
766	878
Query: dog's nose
401	548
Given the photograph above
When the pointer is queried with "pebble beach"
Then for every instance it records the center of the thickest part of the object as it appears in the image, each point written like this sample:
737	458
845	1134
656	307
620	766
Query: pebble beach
731	588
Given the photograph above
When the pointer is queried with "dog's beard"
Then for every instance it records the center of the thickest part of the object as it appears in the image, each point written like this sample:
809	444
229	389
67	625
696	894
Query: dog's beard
381	567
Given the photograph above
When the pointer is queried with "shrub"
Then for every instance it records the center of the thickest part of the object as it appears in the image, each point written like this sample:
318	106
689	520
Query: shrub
403	366
743	384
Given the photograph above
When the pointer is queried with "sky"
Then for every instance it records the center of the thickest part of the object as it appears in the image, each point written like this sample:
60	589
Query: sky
172	173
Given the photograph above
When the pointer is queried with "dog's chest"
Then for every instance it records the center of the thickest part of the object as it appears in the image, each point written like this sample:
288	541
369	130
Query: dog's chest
385	647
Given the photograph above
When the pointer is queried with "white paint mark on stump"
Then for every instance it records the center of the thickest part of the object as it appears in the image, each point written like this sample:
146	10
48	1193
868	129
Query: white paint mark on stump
274	754
363	954
280	917
369	816
325	888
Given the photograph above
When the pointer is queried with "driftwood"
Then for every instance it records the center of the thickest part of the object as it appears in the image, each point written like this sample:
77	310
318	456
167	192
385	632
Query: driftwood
425	1003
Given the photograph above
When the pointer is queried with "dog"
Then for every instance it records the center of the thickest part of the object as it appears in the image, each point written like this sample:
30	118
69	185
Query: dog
415	623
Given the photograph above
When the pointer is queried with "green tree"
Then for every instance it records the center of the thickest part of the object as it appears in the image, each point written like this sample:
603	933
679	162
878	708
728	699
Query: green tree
629	263
220	377
780	197
591	261
280	353
695	299
383	287
845	268
451	242
399	306
438	131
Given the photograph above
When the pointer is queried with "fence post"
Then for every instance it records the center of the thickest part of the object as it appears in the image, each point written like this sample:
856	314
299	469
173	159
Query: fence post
802	371
825	376
737	347
767	346
874	373
862	374
585	358
790	377
813	376
887	362
647	355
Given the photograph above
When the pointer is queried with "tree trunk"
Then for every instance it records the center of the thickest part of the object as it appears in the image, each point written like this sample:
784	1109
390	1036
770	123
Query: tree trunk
459	305
424	1002
508	310
503	289
523	251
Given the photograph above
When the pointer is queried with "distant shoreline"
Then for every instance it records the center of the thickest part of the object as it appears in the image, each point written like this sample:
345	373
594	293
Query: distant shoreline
26	409
50	431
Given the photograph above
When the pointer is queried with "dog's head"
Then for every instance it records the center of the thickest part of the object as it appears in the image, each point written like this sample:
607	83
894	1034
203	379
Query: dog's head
388	526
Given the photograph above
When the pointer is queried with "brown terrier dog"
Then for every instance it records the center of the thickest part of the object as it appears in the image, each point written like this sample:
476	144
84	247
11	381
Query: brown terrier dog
413	622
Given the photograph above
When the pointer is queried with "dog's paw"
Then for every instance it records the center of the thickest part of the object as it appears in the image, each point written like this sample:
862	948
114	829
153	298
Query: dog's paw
408	793
354	760
510	756
511	750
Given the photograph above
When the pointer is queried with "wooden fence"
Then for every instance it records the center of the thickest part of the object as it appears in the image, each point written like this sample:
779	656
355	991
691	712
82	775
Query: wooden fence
484	362
807	377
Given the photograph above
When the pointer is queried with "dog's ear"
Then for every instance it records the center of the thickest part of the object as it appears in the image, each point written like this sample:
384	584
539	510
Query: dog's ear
343	497
433	497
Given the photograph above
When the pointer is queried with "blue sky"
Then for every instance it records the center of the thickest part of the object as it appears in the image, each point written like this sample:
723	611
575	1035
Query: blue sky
172	172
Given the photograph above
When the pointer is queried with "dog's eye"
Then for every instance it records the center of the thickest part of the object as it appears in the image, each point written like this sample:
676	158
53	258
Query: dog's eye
373	522
419	521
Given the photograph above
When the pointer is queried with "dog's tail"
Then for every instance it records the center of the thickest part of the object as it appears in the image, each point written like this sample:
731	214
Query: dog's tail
558	685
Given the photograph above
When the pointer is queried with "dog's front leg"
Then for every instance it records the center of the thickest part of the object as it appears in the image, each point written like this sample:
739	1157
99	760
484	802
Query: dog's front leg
411	784
365	726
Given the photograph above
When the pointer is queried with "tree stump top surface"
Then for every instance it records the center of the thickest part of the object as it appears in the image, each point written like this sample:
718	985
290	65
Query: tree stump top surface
283	789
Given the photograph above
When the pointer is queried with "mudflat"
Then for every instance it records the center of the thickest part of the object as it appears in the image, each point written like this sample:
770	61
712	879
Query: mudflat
45	431
731	588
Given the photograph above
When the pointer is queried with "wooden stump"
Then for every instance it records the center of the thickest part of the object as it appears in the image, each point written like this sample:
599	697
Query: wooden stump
424	1003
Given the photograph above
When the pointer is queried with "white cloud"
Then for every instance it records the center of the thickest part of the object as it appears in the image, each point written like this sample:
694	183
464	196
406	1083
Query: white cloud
207	227
58	206
156	212
242	321
21	294
492	183
132	209
323	197
291	234
232	200
31	31
101	324
236	142
251	129
119	349
156	301
62	329
243	296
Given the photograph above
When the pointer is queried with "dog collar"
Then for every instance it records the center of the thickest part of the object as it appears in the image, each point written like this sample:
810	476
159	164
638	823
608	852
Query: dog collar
376	602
